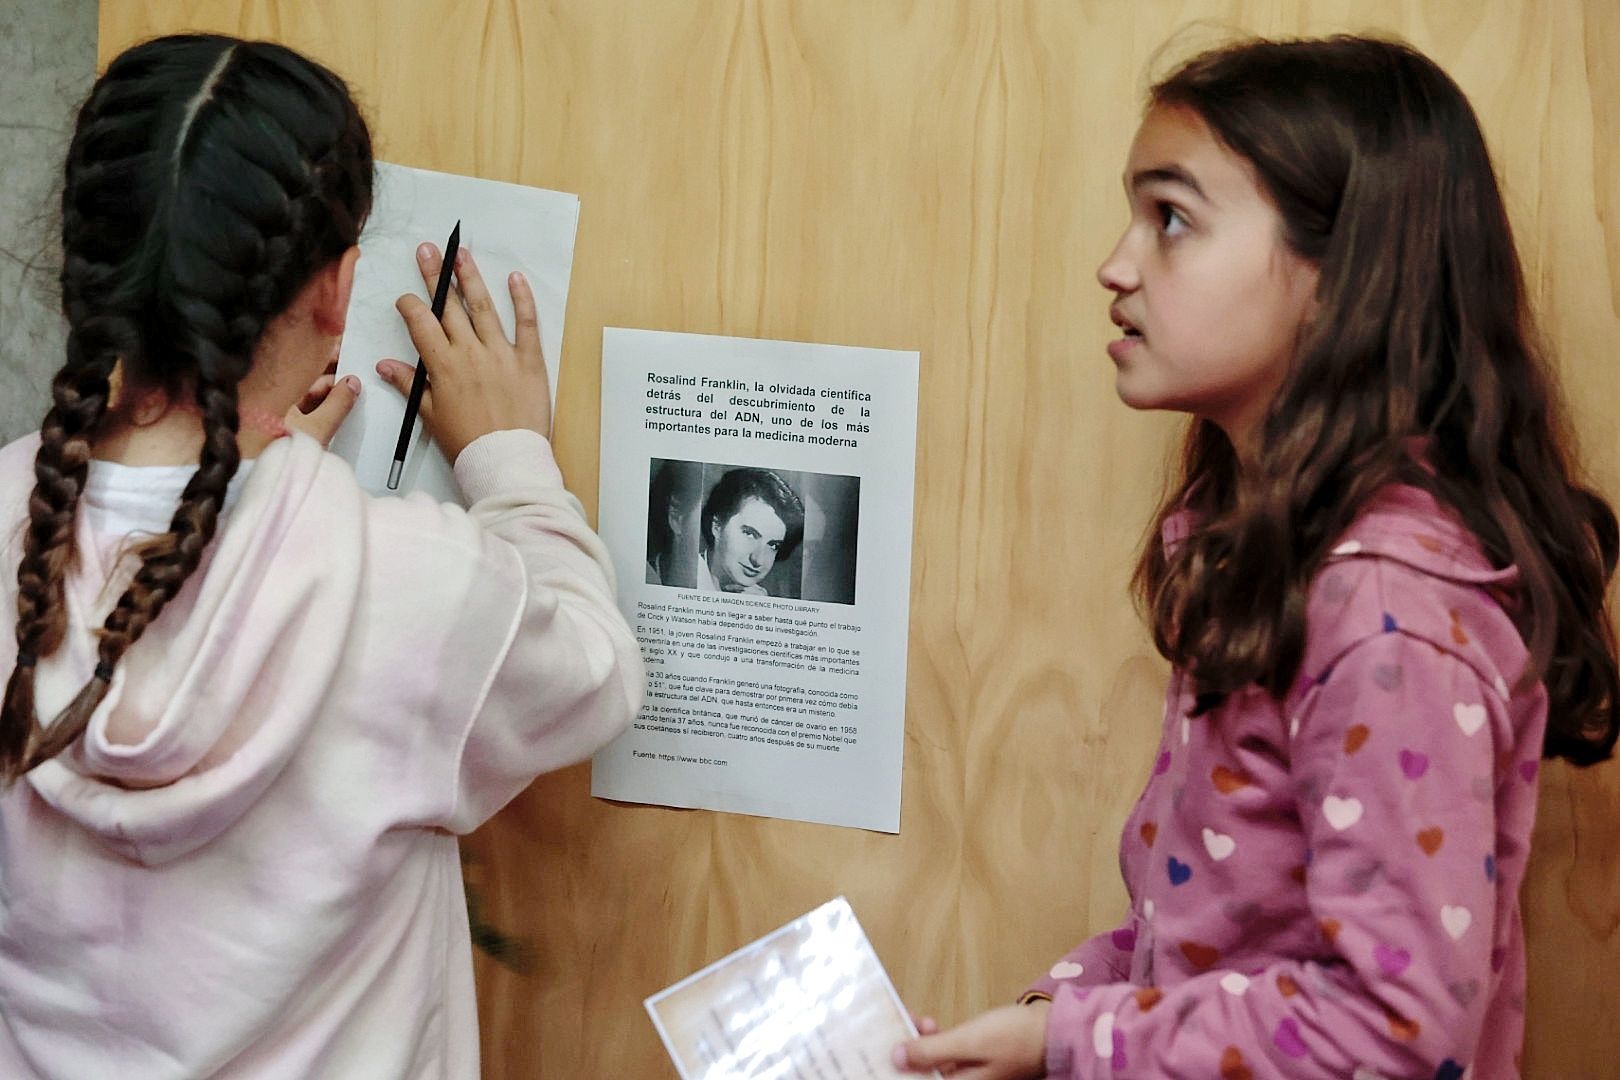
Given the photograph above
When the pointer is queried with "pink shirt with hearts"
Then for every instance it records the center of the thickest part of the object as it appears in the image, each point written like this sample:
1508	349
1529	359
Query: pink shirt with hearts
1328	886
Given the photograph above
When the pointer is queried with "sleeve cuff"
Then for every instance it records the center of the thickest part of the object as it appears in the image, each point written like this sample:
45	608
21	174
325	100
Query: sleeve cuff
489	463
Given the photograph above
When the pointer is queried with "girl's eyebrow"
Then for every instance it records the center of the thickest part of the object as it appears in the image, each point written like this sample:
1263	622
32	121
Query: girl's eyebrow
1166	174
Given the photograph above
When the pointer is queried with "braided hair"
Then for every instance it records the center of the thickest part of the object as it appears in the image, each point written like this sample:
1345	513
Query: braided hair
208	179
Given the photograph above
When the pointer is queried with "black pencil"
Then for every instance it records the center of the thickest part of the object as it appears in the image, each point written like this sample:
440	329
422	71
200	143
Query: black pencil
441	294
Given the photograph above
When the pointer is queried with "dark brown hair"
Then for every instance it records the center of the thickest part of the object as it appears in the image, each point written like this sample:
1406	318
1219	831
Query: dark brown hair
207	180
1376	162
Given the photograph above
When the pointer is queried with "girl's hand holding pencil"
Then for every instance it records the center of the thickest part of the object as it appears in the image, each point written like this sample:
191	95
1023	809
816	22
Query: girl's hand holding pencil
478	380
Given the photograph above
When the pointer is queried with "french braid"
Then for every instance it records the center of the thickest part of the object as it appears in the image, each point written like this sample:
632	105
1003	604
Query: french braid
208	179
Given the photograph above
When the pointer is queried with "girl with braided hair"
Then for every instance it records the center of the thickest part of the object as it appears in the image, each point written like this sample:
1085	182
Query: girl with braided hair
248	707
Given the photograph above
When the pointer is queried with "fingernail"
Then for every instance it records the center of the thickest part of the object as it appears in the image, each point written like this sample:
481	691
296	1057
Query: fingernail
425	252
518	278
899	1056
352	383
461	255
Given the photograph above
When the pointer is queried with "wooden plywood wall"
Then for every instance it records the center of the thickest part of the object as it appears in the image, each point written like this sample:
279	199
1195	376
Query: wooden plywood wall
942	176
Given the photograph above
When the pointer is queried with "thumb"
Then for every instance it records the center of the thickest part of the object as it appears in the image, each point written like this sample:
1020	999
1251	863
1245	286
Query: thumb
937	1051
324	420
917	1055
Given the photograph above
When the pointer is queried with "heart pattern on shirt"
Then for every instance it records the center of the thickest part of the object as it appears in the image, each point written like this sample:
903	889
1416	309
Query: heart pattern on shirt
1288	1039
1067	969
1202	957
1341	813
1233	1067
1414	764
1458	634
1241	911
1430	839
1149	830
1402	1028
1229	780
1361	878
1456	920
1356	737
1391	961
1102	1035
1469	717
1219	845
1179	871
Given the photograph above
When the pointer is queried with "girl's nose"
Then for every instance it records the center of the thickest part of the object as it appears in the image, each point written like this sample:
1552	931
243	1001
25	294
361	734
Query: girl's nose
1117	273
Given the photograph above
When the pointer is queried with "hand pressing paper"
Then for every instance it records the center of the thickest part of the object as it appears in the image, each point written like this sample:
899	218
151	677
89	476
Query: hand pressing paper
507	227
807	1000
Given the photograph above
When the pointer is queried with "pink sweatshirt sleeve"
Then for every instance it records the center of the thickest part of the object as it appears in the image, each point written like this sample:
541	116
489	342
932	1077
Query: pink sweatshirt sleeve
571	676
1104	958
1393	761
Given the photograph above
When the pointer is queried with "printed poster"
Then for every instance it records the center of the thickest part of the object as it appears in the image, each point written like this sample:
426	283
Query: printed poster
756	497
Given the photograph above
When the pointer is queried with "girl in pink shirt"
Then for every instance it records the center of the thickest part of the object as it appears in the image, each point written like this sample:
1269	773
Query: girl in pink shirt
1380	581
247	706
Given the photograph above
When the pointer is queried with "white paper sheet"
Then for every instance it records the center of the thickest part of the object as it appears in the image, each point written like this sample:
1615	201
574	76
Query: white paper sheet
507	227
810	999
785	699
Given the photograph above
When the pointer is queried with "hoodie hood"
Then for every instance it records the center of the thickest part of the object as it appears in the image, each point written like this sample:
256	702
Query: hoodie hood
192	731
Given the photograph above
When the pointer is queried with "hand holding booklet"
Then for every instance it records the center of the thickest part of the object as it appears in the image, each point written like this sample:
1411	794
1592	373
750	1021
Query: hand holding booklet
807	1000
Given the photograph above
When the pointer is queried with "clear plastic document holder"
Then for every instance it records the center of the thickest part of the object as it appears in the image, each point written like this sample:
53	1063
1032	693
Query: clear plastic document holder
809	1001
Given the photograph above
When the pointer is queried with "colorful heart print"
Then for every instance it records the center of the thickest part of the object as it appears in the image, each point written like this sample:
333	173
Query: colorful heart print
1341	813
1219	845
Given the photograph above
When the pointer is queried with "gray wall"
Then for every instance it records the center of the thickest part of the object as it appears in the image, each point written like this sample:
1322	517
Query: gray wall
47	63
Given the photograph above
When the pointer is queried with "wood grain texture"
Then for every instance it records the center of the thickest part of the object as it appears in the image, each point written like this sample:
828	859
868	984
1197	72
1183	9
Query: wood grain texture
941	176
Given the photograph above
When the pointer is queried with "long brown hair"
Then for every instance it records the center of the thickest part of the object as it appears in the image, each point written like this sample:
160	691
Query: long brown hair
207	180
1377	165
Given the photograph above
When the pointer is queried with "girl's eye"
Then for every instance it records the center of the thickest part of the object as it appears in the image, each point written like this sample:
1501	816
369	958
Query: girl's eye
1171	221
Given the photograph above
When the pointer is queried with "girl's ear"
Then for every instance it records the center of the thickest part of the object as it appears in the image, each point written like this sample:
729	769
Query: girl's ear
330	290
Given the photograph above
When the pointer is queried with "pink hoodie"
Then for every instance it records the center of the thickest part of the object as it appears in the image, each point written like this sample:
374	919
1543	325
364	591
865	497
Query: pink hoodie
248	865
1328	888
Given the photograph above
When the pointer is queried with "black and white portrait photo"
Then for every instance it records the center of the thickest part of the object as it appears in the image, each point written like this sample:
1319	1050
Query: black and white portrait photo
753	531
